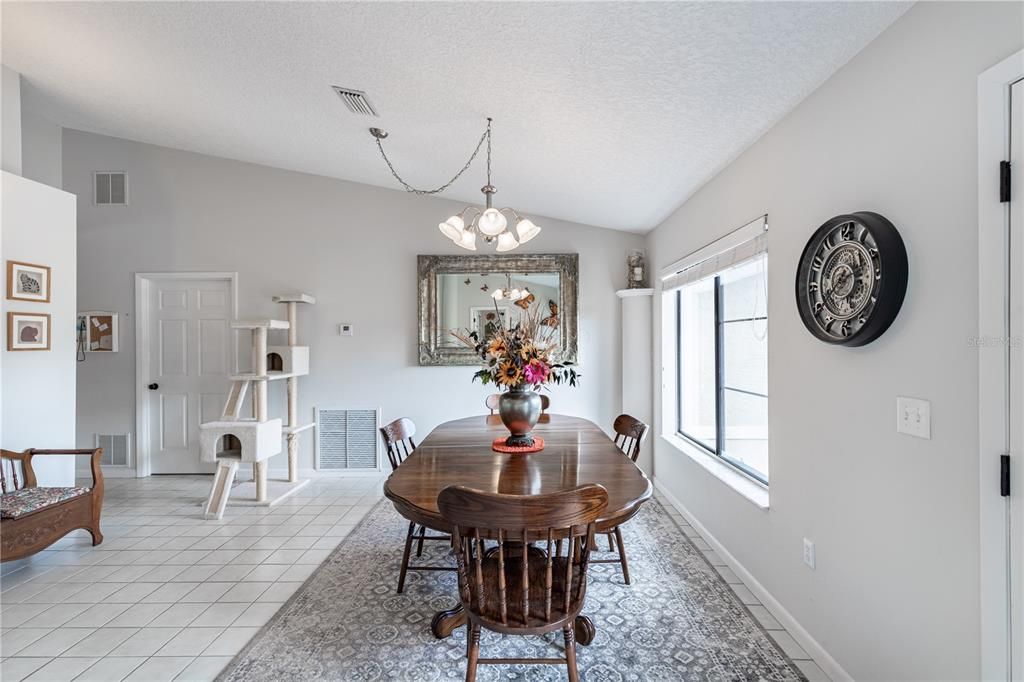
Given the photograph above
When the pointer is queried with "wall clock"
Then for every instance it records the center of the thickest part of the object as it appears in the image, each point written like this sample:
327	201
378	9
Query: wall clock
851	279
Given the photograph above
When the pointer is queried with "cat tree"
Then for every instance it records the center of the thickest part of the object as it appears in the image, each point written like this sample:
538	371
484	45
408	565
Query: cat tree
233	439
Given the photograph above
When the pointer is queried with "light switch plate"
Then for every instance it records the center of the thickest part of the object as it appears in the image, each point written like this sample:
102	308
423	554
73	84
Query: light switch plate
914	417
345	329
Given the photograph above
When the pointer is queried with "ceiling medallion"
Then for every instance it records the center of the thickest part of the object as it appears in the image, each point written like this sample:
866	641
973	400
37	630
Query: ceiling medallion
489	222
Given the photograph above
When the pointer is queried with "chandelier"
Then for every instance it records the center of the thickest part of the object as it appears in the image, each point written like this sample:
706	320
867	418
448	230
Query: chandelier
511	293
463	227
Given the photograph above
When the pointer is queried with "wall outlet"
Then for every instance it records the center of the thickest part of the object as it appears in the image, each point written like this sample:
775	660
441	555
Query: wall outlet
809	553
345	329
914	417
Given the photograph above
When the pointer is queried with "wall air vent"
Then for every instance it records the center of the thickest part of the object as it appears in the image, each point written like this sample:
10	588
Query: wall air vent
355	100
346	440
115	448
110	188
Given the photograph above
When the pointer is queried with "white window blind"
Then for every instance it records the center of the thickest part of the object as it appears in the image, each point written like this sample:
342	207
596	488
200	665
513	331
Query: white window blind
739	245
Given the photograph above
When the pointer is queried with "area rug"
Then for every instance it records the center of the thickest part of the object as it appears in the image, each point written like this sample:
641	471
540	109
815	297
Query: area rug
678	620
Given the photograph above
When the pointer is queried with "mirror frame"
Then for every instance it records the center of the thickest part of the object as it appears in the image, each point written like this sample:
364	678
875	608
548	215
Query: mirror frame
429	267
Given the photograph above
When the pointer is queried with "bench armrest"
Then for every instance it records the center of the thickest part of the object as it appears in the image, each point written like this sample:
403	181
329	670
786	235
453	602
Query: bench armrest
95	454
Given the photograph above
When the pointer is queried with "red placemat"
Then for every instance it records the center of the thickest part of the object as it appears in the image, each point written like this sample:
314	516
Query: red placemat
499	446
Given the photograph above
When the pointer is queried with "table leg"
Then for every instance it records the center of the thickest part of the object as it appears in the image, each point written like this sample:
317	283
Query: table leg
584	630
445	622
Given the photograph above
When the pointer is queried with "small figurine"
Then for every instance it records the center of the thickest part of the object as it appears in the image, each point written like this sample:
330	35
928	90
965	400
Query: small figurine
636	276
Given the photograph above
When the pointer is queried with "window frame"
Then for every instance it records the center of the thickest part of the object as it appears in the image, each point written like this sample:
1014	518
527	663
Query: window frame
718	451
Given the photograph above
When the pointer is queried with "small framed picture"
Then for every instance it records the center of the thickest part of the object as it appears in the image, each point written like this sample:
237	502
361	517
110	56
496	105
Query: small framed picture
28	331
28	282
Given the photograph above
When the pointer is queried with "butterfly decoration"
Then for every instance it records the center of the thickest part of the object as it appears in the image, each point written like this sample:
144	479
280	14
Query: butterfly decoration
484	288
525	301
552	319
467	281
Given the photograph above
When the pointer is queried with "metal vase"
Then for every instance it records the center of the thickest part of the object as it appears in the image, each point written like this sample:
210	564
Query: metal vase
519	408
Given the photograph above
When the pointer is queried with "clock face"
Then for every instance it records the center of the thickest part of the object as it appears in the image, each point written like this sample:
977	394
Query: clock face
852	279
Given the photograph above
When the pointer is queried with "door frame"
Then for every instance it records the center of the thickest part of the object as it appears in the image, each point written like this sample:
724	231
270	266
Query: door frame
144	282
1000	612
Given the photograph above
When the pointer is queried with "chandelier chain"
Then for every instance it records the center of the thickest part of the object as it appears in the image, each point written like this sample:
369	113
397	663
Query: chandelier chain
409	188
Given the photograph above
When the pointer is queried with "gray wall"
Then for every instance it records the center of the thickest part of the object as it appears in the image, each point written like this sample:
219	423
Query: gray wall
895	594
352	246
10	133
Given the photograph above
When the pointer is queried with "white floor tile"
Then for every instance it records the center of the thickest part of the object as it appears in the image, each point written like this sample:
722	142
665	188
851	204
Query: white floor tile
256	615
138	615
231	641
812	671
146	642
788	645
17	669
190	641
54	643
111	669
162	669
245	592
100	643
179	615
220	615
61	669
96	615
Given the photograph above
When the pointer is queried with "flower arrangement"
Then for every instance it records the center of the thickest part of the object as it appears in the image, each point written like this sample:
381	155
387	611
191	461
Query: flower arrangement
522	354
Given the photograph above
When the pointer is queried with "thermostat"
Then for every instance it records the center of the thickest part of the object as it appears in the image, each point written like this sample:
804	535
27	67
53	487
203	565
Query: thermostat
345	329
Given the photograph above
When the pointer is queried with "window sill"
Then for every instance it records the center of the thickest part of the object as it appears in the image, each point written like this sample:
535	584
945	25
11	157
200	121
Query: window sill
753	491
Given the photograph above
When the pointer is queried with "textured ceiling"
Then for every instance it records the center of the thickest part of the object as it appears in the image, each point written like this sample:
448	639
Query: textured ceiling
608	114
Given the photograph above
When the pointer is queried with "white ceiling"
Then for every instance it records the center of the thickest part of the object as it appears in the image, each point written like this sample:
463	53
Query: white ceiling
606	114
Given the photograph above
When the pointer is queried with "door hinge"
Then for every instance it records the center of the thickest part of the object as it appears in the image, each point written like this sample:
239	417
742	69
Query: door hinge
1004	181
1004	475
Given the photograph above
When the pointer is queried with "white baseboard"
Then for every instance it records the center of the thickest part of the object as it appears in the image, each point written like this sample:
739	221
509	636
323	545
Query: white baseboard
129	472
785	618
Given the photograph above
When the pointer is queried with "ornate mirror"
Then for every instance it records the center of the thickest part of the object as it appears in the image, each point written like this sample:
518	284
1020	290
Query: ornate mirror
458	292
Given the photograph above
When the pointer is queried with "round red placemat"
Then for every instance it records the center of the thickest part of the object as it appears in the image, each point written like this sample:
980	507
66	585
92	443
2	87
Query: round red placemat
499	446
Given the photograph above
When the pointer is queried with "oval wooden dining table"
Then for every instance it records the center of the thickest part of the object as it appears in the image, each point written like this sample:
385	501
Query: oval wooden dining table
576	451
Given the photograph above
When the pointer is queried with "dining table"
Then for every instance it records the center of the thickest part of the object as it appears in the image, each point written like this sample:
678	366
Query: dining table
576	452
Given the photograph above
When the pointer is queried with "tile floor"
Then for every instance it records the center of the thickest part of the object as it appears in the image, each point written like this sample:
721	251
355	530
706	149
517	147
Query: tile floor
167	596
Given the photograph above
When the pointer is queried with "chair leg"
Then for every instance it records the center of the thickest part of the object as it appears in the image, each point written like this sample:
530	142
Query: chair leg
405	557
611	544
419	547
570	653
473	634
622	555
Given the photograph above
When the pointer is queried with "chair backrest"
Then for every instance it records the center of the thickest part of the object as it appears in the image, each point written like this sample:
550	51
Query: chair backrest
12	471
629	434
492	401
513	521
398	440
545	403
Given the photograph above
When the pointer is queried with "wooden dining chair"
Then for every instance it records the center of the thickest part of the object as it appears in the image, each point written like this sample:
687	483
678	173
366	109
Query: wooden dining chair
508	586
630	433
545	403
492	402
399	442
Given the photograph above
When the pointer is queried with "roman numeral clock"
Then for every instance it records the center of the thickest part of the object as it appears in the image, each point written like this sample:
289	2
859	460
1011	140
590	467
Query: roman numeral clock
852	279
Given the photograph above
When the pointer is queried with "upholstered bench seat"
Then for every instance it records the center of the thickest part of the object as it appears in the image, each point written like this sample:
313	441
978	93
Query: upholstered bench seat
18	503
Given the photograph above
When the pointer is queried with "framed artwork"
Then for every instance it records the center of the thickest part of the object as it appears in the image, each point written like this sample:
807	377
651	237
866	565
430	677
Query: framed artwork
28	282
28	331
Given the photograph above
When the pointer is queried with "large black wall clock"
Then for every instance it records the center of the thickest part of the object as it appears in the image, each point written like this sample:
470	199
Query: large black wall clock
851	279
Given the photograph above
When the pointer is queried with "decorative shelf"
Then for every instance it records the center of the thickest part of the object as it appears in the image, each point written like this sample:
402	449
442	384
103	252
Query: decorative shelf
260	324
629	293
297	429
294	298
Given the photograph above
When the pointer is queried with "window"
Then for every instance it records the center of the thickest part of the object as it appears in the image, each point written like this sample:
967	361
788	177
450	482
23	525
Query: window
721	355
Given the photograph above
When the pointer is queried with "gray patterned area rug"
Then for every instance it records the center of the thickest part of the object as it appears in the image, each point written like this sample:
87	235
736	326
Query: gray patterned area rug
677	621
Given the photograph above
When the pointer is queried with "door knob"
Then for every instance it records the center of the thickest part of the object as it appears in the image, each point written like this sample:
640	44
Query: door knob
153	386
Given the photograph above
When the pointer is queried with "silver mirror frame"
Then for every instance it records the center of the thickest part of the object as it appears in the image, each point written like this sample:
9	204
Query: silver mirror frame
567	265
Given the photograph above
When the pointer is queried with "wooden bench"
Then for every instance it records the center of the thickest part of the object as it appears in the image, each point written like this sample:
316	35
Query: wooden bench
31	517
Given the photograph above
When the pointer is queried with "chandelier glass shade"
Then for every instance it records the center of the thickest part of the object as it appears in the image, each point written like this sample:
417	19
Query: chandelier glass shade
490	223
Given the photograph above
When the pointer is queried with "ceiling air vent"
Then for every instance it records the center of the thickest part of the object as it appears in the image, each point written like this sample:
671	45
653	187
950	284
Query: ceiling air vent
110	188
355	100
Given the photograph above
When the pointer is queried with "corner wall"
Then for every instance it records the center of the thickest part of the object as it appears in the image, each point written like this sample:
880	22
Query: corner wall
38	387
895	595
352	246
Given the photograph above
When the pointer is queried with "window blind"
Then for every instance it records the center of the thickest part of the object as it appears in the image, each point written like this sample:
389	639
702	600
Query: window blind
739	245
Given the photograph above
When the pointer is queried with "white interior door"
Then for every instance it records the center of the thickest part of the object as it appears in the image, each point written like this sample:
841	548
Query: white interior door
190	360
1015	342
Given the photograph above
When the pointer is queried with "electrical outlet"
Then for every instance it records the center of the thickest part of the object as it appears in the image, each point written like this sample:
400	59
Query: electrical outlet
345	329
914	417
809	553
